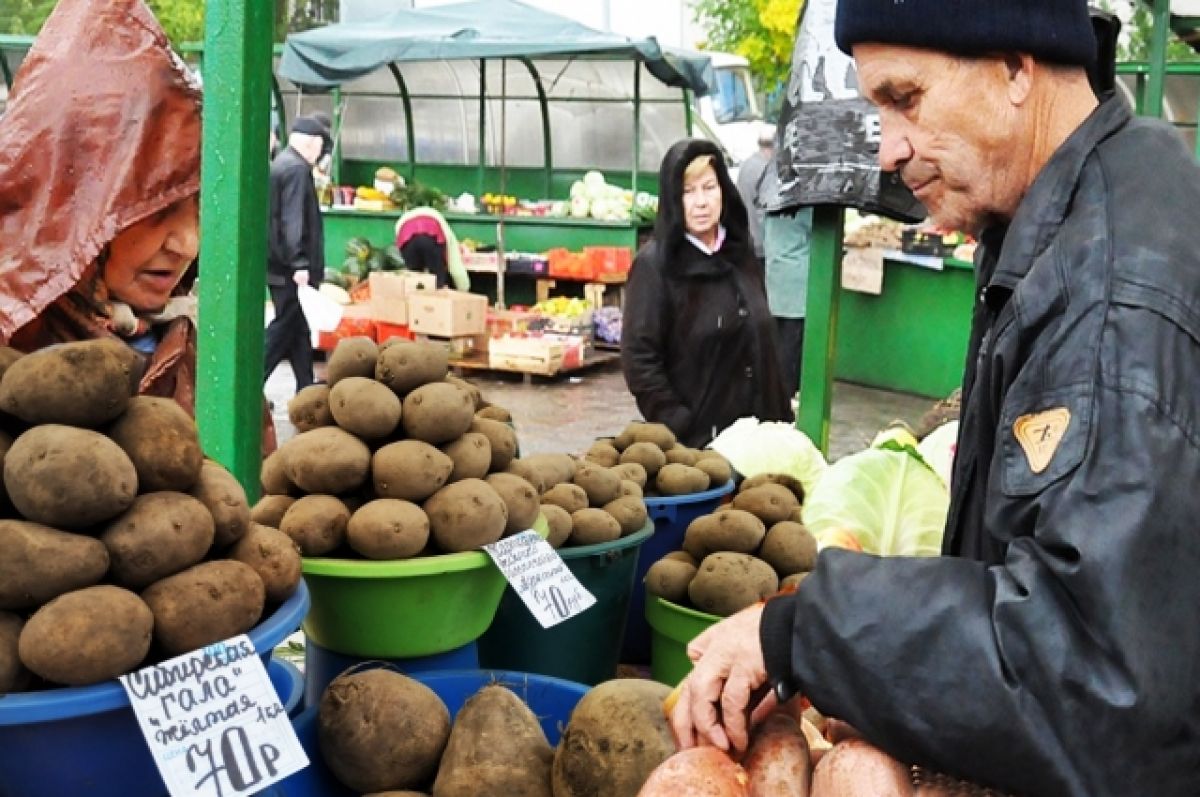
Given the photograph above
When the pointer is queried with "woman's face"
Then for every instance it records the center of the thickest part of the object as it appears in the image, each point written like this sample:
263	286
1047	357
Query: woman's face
702	203
147	260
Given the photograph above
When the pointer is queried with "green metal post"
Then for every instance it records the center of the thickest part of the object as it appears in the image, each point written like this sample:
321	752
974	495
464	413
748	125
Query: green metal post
824	289
8	78
409	125
547	148
482	127
281	129
233	213
637	123
687	111
1158	57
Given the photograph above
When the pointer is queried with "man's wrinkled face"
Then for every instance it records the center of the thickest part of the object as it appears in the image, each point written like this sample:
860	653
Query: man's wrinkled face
147	259
948	128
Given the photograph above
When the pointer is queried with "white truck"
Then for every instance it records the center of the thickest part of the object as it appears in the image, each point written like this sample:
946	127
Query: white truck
730	114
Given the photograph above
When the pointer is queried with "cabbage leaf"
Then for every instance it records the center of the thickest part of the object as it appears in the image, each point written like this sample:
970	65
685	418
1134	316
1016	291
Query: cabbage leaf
772	447
890	502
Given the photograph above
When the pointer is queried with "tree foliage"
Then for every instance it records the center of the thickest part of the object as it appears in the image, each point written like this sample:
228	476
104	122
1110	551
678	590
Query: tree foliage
183	20
1137	30
761	31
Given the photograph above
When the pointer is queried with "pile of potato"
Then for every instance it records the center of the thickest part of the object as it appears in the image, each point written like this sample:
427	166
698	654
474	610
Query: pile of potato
671	468
122	544
742	553
395	458
381	732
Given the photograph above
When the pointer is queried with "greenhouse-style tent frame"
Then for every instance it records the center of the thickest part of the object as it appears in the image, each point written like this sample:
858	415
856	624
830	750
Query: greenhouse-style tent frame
482	31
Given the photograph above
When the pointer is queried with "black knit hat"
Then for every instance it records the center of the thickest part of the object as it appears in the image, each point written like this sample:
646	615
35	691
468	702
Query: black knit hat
1058	31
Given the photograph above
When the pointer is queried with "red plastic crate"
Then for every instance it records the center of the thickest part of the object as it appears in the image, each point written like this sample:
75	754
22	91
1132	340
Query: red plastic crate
384	330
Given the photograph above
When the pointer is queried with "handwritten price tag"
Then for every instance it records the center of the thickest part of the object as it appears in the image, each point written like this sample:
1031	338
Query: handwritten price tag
213	722
540	577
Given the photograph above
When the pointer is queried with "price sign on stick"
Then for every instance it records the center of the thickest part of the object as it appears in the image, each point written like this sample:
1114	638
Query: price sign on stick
540	576
213	722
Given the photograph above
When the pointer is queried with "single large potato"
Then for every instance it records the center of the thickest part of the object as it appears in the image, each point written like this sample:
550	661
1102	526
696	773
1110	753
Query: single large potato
274	556
502	438
309	409
496	746
617	735
161	534
87	636
471	454
728	582
85	383
364	407
379	730
273	477
317	523
225	500
409	470
520	498
437	413
327	460
161	440
388	528
770	502
205	604
405	366
465	515
351	357
39	563
68	478
270	509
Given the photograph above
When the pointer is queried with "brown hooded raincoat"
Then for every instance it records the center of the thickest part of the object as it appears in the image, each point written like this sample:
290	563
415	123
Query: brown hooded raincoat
102	130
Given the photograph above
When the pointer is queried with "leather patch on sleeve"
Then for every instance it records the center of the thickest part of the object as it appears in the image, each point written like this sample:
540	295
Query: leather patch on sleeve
1039	435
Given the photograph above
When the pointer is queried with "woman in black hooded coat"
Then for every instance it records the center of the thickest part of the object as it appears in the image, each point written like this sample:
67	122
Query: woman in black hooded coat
698	341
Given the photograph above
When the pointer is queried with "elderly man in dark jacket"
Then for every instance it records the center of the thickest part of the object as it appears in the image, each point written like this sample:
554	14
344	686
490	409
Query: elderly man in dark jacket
1053	650
296	247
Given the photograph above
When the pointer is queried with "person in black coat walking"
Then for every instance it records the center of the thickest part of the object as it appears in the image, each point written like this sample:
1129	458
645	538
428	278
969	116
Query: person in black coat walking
698	343
296	248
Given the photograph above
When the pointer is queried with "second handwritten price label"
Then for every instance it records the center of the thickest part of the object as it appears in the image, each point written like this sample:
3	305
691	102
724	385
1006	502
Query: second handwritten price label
540	576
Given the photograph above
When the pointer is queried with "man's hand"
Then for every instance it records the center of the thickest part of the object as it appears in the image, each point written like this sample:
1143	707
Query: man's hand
715	699
300	277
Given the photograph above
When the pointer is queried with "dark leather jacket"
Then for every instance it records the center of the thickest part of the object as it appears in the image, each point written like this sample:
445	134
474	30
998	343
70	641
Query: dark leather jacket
297	238
1055	650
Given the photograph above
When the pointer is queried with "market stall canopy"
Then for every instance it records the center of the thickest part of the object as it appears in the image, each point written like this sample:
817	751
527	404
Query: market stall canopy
330	56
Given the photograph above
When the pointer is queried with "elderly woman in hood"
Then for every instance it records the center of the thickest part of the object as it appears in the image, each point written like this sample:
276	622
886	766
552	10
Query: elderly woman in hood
99	183
697	344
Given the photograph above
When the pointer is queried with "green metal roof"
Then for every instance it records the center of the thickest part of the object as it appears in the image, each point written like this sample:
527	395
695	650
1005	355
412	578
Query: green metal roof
477	29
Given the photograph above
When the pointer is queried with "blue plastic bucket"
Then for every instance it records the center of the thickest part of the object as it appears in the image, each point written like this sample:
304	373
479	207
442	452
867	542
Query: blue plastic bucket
85	740
322	665
671	516
551	699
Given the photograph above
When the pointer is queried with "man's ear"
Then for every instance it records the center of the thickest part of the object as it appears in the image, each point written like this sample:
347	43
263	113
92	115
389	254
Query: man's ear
1018	72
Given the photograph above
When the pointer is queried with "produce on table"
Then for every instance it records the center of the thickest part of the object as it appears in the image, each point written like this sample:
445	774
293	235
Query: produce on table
85	384
309	408
783	479
789	548
630	512
161	534
316	523
502	439
327	460
731	530
466	515
270	509
560	524
677	479
670	578
364	407
471	456
604	454
615	738
493	413
778	762
379	730
771	502
40	563
594	526
274	556
870	770
570	497
410	470
354	356
496	747
226	501
771	447
437	412
520	499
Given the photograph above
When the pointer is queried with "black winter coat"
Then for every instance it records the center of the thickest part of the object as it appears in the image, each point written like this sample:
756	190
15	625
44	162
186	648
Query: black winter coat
697	340
297	237
1055	650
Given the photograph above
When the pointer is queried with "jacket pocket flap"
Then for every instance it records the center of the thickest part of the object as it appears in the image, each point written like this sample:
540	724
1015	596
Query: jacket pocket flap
1044	437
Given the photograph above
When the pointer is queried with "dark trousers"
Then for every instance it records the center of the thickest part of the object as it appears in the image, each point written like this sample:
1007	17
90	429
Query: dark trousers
424	253
288	336
791	350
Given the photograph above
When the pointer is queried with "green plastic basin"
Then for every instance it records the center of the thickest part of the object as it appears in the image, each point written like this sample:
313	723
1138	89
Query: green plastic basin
672	627
404	608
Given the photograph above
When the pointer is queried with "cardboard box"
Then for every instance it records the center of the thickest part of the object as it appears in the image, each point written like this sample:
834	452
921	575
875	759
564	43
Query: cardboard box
528	355
447	314
390	291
